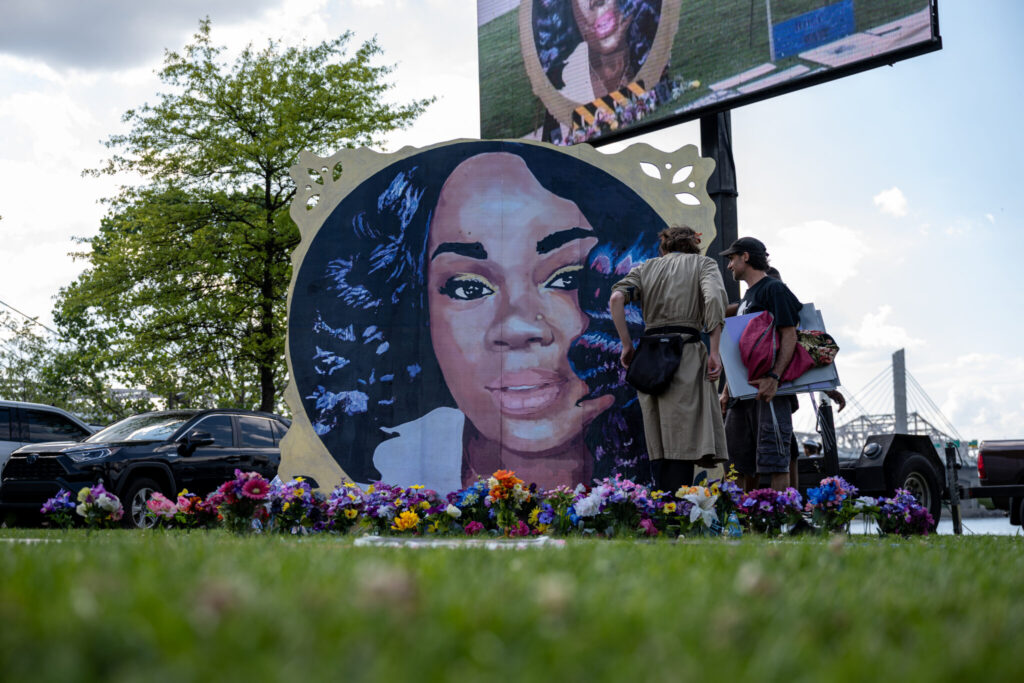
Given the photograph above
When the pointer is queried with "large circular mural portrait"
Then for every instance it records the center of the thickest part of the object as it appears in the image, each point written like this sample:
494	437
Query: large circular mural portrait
450	318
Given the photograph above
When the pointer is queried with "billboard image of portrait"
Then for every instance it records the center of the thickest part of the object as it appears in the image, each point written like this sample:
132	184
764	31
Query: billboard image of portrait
587	58
569	71
449	315
589	48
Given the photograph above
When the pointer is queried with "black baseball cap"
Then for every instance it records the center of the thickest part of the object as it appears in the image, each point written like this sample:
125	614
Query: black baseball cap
751	245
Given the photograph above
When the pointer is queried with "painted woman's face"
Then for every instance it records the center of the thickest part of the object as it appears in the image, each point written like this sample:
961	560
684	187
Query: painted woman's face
506	257
601	23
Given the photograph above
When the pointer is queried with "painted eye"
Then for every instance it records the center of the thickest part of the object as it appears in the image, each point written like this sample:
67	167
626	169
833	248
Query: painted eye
565	278
465	288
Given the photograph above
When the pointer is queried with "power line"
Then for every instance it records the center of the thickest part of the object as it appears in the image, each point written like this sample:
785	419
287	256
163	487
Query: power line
29	318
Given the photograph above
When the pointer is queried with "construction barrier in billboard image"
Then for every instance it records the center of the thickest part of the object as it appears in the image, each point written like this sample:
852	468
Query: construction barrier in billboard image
567	71
448	315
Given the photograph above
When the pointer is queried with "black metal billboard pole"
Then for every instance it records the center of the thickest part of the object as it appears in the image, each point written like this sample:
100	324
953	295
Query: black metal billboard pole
716	143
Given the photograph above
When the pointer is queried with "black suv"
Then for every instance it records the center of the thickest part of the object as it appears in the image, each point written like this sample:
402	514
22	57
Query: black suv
166	451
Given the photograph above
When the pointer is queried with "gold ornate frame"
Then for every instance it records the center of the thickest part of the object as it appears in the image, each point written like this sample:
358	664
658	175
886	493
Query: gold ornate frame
674	184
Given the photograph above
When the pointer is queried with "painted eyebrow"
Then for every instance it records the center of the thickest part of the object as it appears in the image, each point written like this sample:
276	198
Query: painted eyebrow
470	249
557	239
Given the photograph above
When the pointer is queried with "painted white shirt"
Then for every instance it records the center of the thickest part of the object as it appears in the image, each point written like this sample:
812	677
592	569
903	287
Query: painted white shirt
427	451
576	75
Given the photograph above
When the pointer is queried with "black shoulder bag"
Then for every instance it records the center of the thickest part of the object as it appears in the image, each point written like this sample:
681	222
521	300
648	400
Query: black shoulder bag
657	357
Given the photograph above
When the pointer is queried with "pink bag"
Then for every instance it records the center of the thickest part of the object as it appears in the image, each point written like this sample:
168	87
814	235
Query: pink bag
759	344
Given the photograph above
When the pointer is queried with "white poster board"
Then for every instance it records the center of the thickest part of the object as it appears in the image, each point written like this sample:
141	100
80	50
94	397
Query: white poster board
815	379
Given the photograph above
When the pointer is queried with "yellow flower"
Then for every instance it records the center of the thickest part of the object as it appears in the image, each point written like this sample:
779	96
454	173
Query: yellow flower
656	495
300	479
425	505
406	521
433	528
351	513
370	490
286	506
83	494
416	487
184	492
669	507
534	514
714	489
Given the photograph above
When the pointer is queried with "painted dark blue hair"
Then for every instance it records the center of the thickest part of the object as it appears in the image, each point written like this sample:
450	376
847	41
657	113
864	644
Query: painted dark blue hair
359	336
556	35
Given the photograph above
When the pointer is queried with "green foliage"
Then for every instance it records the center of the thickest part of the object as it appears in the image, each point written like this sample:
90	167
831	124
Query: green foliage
39	367
22	346
119	605
187	278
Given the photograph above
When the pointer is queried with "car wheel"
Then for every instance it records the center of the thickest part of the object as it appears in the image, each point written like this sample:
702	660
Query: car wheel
134	502
915	474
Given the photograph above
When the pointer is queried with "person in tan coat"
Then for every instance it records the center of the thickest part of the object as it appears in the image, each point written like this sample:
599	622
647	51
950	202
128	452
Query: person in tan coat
679	292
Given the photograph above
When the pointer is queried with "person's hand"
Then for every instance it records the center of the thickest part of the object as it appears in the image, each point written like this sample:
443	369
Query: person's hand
838	398
766	388
723	400
714	367
626	357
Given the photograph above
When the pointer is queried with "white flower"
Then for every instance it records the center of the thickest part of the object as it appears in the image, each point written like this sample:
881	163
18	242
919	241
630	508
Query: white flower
492	483
453	511
703	507
589	506
519	494
82	510
864	502
107	503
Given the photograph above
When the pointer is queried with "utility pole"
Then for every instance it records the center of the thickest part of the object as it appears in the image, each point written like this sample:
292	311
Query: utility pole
716	143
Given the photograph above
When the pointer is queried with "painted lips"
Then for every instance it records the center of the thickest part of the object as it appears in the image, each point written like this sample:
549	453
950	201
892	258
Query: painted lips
526	392
605	24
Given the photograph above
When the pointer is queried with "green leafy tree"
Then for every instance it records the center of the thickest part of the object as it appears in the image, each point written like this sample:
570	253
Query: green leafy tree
187	278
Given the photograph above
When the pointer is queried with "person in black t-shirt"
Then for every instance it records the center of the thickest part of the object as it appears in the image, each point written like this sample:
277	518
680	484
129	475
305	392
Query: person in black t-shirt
759	431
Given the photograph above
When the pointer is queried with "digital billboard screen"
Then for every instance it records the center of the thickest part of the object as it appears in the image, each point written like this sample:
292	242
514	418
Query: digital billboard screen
567	71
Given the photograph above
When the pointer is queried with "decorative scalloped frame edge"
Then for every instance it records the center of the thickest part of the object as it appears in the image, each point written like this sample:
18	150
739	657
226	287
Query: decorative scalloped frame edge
658	177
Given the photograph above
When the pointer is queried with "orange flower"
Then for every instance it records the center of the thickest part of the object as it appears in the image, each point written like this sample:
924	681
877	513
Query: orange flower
507	478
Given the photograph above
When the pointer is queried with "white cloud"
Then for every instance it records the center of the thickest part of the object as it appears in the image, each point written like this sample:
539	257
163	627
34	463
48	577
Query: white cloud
983	395
991	218
817	256
892	202
875	331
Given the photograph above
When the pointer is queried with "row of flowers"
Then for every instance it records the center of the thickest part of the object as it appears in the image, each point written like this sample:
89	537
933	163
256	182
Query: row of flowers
504	504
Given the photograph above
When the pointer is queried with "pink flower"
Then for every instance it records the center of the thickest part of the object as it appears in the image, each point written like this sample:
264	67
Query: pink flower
648	526
256	488
520	529
473	528
161	506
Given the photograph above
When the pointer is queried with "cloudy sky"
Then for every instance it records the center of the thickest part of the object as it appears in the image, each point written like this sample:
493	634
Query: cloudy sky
892	199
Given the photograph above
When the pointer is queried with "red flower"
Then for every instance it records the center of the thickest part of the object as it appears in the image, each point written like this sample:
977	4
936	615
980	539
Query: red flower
257	489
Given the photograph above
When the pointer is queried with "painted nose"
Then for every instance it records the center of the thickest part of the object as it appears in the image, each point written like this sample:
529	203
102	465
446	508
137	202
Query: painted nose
520	324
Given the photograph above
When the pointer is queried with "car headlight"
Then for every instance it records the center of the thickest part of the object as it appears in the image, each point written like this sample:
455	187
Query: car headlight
89	454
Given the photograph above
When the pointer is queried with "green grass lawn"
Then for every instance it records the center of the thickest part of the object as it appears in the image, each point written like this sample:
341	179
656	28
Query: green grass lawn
176	606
